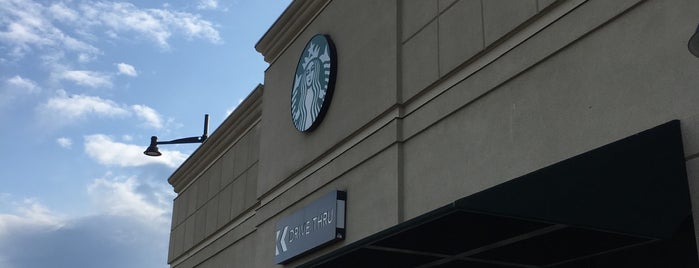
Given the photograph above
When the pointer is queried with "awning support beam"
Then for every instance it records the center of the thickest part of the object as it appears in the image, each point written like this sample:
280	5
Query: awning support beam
498	244
602	253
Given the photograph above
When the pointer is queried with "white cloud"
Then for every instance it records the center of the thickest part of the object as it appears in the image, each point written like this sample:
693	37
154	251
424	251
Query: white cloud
85	57
127	69
191	25
61	12
37	212
24	85
16	87
106	151
29	215
64	107
157	25
150	116
130	229
75	26
87	78
103	241
207	4
119	197
64	142
29	28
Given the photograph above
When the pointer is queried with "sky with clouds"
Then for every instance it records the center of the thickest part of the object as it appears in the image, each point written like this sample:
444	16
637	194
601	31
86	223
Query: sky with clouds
83	86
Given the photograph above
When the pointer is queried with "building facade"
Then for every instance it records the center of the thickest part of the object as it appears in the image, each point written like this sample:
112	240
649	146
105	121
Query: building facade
455	133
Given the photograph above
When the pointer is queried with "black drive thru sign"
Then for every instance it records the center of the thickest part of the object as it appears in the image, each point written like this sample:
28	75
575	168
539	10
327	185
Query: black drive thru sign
315	225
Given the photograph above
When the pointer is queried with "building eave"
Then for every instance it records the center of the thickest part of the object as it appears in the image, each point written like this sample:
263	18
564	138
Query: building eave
287	27
245	116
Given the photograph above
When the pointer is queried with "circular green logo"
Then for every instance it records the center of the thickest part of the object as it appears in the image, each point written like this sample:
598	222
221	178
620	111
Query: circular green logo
314	82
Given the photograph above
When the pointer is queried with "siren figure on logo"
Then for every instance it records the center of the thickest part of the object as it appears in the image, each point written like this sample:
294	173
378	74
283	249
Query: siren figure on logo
310	86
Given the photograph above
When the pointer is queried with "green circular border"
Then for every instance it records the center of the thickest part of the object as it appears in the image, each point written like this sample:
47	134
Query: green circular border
325	39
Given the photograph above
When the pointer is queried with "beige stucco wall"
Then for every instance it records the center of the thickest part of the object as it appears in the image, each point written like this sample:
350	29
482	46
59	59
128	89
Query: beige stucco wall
539	103
364	33
436	100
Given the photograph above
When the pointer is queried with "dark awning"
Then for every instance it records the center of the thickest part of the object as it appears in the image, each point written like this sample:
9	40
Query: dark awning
632	193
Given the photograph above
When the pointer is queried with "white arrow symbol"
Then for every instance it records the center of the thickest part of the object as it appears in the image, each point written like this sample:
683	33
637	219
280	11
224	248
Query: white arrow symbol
276	248
286	229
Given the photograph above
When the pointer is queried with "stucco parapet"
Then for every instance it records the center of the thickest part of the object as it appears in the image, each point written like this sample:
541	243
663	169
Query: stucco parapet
288	26
246	115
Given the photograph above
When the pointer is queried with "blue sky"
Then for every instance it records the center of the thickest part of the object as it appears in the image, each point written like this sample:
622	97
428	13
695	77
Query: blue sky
83	86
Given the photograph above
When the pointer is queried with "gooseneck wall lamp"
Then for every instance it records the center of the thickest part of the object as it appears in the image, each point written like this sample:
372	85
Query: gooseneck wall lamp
152	149
693	44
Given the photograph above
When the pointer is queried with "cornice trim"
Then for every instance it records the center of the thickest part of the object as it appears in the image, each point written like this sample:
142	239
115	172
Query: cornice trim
226	135
288	26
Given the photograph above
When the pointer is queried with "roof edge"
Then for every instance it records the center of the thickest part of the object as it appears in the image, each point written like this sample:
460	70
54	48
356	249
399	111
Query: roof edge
231	129
287	27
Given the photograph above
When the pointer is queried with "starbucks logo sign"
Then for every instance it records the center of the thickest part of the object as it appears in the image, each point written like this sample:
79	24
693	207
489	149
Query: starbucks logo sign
314	82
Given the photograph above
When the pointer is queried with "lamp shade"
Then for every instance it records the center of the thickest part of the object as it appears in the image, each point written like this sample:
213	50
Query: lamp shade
152	149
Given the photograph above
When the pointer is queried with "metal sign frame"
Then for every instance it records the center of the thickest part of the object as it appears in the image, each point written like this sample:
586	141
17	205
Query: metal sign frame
317	224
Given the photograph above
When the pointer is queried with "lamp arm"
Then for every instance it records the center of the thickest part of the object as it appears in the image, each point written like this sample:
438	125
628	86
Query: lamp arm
206	127
152	149
184	140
